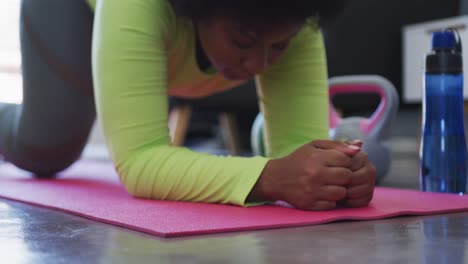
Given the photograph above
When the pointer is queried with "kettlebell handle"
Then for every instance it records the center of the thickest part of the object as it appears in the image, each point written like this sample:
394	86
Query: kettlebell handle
380	120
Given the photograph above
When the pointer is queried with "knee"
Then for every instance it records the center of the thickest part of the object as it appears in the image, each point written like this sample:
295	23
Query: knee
51	168
46	162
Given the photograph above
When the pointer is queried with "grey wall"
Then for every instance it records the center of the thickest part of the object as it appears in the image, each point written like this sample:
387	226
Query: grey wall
463	7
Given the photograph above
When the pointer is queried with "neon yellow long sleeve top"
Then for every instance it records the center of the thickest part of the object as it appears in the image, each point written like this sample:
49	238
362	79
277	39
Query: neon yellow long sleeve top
142	52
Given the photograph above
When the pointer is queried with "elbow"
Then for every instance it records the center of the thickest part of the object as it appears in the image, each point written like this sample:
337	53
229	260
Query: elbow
129	175
139	179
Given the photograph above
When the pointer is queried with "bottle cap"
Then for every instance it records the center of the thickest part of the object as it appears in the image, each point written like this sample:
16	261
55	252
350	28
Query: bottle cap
446	54
444	40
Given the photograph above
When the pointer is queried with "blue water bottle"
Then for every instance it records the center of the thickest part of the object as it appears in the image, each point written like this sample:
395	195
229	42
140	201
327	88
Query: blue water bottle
442	153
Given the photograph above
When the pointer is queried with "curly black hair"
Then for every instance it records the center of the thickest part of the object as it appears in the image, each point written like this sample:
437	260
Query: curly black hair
265	11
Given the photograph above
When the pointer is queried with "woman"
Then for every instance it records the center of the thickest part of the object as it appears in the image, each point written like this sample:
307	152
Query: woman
143	51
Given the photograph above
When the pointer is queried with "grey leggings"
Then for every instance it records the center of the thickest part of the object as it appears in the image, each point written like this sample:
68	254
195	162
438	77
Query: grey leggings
48	132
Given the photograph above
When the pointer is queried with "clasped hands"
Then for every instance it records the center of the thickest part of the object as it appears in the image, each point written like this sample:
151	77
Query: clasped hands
321	175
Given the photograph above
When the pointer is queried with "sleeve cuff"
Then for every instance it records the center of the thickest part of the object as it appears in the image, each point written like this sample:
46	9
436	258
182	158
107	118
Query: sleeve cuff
249	180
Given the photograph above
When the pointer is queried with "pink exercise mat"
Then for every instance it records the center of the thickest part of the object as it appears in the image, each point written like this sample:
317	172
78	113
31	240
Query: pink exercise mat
92	190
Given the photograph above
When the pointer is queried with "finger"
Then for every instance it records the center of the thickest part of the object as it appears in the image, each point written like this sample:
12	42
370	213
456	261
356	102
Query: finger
355	142
364	175
337	176
340	146
334	158
322	206
359	191
358	161
331	193
361	202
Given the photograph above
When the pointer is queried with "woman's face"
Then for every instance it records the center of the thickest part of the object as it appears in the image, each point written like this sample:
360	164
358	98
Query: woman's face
240	51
